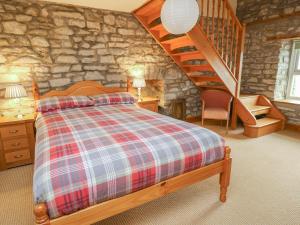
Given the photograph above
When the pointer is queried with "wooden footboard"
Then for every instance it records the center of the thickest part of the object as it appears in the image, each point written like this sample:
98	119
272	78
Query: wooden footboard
112	207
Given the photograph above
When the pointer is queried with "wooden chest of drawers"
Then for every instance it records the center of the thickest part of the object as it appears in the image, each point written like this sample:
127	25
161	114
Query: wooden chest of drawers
17	141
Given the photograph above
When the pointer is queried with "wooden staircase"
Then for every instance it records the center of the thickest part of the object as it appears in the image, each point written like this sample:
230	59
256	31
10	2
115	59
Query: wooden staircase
210	54
259	115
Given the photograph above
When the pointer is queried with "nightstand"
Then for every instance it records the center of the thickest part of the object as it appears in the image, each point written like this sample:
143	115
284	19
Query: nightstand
17	141
149	103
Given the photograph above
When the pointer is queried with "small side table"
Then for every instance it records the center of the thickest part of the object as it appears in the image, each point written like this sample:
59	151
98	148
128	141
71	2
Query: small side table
17	141
149	103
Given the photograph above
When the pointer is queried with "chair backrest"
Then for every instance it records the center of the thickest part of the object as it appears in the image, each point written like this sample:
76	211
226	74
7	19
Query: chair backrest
216	98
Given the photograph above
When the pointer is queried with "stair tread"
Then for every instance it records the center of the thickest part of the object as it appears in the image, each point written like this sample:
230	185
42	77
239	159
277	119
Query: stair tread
199	79
161	29
265	122
157	27
204	76
189	55
222	87
176	39
198	67
186	53
255	108
155	14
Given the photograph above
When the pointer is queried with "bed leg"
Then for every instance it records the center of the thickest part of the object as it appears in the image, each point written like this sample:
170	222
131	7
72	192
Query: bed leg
41	214
225	175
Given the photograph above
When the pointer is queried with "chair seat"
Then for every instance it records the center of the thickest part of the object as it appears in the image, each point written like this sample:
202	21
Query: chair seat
215	113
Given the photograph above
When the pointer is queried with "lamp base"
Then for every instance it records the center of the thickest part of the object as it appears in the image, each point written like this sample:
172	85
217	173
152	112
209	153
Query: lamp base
140	95
20	116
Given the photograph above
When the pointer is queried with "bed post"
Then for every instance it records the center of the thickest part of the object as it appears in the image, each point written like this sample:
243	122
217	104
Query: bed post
128	84
41	214
225	175
36	95
35	91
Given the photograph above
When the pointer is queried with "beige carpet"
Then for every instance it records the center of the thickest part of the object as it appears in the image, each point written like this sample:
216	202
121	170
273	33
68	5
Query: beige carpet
265	189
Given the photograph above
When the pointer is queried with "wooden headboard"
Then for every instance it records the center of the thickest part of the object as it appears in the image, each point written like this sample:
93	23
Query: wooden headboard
82	88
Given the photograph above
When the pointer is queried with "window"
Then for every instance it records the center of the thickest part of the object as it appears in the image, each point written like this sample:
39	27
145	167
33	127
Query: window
294	82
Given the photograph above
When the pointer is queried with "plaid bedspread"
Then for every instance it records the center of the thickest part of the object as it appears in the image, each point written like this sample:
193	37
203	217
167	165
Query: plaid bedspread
88	155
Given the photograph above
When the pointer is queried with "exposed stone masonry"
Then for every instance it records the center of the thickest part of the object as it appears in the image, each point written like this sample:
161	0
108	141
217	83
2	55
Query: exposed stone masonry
58	45
253	10
265	68
266	62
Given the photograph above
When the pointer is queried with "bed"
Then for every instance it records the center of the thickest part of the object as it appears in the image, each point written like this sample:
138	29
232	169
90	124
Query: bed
96	161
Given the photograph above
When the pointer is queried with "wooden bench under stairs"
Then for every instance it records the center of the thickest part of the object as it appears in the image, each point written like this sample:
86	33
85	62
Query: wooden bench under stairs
259	115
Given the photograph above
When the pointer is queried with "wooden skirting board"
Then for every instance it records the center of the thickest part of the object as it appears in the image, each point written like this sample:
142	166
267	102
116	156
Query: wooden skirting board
193	119
293	127
271	20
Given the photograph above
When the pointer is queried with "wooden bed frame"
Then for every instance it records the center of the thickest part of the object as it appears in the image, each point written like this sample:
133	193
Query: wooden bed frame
112	207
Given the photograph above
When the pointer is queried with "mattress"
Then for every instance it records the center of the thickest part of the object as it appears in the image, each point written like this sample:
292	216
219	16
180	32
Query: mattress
85	156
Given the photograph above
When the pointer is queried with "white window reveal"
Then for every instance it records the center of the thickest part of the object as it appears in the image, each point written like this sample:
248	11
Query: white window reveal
294	82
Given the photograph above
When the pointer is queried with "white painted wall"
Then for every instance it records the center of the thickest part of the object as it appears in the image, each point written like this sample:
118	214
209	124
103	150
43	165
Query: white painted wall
233	4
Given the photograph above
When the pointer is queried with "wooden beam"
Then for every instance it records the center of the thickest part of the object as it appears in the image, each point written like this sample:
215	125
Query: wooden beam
284	37
270	20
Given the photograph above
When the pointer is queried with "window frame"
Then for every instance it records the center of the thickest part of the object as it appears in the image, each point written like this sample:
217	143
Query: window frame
295	57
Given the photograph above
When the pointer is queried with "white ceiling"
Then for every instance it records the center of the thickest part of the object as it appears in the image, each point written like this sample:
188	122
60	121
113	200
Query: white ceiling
117	5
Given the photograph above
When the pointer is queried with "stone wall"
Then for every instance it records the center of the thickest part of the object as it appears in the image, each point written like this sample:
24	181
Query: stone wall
58	45
265	68
253	10
292	111
266	62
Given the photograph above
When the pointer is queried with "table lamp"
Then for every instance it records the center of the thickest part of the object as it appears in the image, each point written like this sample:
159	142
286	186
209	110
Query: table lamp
16	92
139	83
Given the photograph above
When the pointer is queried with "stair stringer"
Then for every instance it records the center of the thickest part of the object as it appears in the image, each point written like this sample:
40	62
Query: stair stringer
244	114
202	43
274	112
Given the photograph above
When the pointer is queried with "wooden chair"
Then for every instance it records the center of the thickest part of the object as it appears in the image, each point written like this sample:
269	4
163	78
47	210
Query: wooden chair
216	105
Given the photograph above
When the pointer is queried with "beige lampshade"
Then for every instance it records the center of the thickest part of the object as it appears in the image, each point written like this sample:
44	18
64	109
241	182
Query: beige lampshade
15	91
139	83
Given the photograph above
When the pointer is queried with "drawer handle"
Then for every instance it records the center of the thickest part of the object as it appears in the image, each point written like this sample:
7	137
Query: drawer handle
18	156
13	131
16	144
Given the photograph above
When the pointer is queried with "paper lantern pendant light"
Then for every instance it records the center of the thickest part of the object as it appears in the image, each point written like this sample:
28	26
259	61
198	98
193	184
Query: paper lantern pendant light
179	16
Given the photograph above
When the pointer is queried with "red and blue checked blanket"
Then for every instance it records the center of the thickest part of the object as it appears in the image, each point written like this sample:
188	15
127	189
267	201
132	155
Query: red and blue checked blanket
88	155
